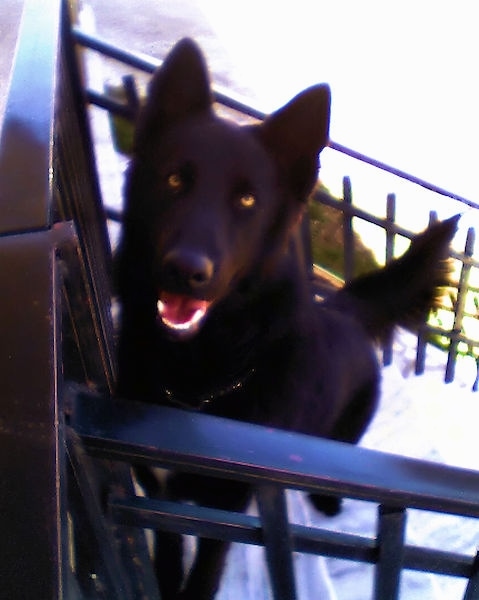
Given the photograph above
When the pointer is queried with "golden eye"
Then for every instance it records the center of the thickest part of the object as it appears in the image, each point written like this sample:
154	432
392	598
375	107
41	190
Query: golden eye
247	201
174	182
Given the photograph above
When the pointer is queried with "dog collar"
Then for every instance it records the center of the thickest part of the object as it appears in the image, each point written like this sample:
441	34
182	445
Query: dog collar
203	400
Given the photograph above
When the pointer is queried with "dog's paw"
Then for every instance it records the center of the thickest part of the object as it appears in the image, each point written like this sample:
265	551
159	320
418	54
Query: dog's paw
328	505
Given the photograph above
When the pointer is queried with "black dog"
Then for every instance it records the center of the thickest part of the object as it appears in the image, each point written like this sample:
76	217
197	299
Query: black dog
218	312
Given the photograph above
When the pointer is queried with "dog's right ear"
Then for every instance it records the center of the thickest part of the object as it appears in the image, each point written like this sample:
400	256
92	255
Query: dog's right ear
180	87
296	134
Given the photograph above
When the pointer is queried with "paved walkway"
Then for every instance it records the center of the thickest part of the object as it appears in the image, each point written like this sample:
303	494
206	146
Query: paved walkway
10	14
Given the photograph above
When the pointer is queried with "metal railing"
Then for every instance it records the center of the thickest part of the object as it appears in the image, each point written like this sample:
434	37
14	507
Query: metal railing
164	437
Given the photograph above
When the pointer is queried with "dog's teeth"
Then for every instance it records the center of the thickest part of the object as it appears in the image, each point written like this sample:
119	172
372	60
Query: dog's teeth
196	318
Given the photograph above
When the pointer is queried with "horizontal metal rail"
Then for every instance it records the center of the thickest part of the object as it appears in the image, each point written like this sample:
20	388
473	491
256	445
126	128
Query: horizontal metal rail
246	529
149	434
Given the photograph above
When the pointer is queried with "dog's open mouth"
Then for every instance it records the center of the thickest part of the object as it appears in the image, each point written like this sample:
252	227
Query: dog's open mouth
180	313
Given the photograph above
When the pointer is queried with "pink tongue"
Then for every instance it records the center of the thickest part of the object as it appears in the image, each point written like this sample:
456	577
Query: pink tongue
179	310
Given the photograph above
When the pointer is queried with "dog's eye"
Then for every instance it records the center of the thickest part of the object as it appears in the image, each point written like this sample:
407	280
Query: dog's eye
247	201
175	182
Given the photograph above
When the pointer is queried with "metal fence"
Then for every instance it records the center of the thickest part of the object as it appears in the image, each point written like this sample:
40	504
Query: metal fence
71	520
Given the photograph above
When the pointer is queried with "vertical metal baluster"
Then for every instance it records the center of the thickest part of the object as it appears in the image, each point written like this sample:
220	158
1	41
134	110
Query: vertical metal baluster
472	589
391	530
390	239
348	235
274	518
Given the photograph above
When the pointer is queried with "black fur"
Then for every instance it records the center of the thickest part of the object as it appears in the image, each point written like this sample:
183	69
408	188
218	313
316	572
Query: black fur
212	213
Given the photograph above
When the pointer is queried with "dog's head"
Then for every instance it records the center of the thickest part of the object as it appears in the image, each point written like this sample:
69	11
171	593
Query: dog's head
208	202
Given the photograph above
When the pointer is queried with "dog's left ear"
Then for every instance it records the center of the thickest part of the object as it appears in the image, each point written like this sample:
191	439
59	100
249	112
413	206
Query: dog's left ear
296	134
178	89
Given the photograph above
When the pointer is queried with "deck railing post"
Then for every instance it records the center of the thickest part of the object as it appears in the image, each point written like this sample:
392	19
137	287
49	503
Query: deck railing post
472	589
33	548
390	240
348	234
274	518
391	528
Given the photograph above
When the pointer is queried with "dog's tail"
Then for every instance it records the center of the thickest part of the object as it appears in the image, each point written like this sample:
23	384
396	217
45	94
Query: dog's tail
405	290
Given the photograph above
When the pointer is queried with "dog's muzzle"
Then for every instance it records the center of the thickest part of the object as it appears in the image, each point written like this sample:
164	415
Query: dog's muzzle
186	274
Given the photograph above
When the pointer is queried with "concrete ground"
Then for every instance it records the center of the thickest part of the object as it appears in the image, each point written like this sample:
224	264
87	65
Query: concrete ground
10	16
157	26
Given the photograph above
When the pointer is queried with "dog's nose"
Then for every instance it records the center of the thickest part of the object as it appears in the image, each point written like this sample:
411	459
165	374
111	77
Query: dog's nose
187	267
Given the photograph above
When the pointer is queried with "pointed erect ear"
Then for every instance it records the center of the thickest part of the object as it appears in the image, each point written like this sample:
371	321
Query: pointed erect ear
179	87
296	134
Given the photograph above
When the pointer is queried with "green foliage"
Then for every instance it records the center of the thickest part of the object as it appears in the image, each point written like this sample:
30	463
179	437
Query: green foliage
122	134
443	318
326	226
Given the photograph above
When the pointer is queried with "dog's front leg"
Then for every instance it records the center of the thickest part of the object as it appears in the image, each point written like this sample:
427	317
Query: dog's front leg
169	563
205	576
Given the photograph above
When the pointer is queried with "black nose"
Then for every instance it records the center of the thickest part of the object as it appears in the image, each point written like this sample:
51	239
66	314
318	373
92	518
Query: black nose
187	268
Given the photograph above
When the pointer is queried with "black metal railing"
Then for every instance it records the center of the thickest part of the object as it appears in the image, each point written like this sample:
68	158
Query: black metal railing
32	505
164	437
